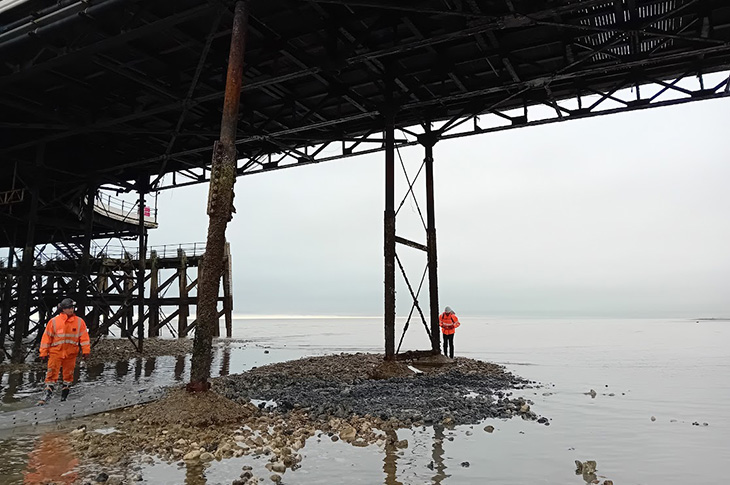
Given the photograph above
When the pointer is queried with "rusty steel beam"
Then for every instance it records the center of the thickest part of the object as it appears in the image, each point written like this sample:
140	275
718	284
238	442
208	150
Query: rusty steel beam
220	206
428	141
141	270
389	234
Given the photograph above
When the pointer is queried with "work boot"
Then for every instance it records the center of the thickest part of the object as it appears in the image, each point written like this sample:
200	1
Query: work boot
47	396
64	393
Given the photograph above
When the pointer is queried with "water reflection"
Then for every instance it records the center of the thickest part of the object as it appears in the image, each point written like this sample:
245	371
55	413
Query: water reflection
180	368
14	454
390	466
225	361
438	455
15	381
93	372
149	366
51	461
137	368
195	474
121	369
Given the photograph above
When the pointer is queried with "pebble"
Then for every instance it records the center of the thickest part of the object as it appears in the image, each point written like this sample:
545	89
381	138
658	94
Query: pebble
275	478
193	455
101	478
338	386
465	464
115	480
489	429
653	418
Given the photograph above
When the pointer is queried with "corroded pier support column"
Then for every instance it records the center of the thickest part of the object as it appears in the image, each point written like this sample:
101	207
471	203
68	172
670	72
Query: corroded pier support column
228	292
142	186
428	142
220	206
389	235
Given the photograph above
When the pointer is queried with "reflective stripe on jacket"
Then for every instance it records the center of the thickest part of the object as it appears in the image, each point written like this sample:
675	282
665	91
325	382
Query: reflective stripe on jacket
449	323
63	336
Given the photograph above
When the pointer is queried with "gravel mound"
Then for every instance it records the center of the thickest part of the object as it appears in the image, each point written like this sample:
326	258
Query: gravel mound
200	409
345	385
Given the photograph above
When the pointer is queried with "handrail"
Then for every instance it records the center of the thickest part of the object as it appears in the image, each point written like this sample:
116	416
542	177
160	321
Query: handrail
121	252
123	210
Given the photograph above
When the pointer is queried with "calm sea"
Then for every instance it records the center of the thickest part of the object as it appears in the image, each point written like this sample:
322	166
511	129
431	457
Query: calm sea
677	371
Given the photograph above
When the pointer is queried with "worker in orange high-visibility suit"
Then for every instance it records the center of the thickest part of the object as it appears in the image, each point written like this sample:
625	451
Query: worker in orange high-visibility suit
448	323
60	345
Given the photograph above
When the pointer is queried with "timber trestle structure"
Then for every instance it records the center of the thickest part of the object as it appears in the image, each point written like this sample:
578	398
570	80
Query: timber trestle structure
111	296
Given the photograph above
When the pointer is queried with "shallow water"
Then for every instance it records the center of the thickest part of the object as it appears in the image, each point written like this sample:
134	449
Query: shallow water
674	370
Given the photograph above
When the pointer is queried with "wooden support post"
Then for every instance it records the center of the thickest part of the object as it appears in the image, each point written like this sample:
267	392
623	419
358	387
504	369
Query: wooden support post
126	321
102	283
7	292
228	292
154	306
184	312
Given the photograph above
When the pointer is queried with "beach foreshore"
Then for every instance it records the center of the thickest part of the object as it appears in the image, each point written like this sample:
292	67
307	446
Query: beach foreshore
271	411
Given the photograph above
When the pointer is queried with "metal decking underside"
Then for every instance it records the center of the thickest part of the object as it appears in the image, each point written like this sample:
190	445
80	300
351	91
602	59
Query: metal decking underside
118	90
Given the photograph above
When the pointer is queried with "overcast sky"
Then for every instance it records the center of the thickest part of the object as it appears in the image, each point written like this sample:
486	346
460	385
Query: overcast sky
621	215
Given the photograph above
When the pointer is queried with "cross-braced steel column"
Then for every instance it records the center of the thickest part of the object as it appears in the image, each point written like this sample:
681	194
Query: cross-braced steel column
428	142
220	206
389	235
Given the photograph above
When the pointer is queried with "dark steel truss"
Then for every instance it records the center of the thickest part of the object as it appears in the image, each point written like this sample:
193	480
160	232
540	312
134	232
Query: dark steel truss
123	90
625	96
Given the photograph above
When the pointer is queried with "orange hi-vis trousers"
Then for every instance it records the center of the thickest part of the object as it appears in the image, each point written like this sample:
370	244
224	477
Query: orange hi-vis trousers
55	364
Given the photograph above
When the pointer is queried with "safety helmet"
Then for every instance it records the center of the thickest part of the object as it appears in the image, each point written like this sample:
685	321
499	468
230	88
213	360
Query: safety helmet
66	303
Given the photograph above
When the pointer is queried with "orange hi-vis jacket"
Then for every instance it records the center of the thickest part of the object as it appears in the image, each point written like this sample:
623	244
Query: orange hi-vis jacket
63	335
449	323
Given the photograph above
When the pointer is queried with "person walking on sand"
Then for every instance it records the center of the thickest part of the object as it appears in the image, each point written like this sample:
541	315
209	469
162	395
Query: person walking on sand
60	346
448	323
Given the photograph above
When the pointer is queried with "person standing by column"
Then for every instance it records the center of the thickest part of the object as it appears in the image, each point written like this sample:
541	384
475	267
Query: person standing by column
449	323
60	346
